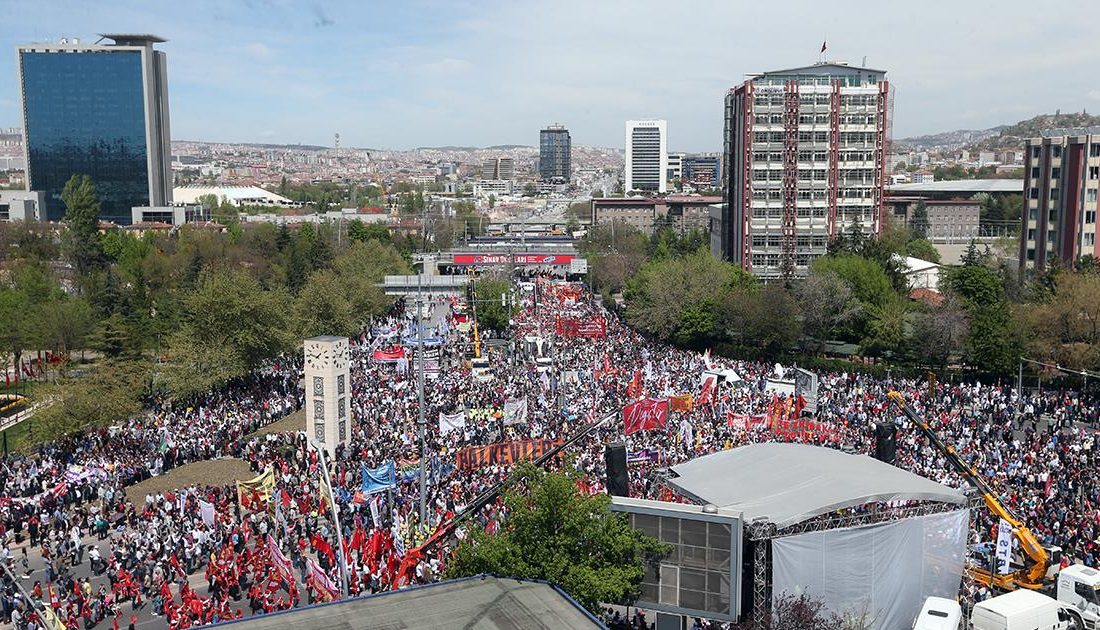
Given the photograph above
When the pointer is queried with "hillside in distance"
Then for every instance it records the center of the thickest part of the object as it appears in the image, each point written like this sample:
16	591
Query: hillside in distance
1001	137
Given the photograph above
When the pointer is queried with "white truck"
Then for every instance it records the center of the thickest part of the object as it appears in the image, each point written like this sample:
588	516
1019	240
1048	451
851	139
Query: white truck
1024	610
1078	590
939	613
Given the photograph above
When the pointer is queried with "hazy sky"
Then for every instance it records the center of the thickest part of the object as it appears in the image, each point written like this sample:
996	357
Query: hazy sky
408	73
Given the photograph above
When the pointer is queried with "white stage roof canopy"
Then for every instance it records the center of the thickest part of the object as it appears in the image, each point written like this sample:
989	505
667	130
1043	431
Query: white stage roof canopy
791	483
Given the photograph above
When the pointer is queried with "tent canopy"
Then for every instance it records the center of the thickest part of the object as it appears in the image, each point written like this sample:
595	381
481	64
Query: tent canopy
791	483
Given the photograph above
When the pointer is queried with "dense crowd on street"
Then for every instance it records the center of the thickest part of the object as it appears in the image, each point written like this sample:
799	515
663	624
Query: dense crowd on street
203	554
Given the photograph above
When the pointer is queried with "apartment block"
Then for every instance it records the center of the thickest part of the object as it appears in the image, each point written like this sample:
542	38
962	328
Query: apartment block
804	159
1062	175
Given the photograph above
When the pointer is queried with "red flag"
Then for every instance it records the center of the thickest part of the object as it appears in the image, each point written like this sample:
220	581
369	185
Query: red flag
708	391
644	415
634	390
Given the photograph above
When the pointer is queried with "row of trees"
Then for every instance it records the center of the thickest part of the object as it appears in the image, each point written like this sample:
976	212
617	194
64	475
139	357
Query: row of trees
176	313
859	294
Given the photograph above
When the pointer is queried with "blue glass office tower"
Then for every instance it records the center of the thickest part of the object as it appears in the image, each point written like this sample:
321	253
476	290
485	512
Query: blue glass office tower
555	154
99	110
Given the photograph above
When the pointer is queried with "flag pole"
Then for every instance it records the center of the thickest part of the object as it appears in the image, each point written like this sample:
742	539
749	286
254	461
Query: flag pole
335	515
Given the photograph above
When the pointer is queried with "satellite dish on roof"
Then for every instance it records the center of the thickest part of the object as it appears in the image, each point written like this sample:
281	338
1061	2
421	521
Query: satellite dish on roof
64	40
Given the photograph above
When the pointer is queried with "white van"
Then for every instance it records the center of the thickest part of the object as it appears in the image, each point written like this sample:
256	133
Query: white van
939	613
1020	610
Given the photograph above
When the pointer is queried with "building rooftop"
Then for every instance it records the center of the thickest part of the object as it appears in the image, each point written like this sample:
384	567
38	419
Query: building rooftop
970	186
129	39
479	602
825	68
1070	131
791	483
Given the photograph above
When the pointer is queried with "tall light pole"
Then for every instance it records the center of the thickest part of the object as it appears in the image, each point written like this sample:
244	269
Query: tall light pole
420	397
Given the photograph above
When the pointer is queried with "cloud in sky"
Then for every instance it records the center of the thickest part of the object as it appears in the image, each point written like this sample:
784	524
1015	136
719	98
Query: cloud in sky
434	72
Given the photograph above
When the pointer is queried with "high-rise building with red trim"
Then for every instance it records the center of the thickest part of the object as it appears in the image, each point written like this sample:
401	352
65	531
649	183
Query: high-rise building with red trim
805	155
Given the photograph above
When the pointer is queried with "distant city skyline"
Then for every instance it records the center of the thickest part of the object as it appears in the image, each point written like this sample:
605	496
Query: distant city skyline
433	73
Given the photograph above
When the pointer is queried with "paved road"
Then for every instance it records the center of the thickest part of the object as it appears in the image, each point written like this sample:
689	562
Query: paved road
146	619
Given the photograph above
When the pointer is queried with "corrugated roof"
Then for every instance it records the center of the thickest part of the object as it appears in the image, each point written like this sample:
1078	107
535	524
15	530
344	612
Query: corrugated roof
971	186
481	602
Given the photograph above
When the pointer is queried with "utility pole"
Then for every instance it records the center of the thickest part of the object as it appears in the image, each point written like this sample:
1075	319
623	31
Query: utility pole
420	398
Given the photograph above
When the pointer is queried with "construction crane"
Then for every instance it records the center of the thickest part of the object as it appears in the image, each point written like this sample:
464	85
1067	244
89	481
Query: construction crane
1035	575
407	569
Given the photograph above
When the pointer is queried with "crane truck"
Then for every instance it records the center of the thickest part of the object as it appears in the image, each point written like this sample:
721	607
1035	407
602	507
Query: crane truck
1076	587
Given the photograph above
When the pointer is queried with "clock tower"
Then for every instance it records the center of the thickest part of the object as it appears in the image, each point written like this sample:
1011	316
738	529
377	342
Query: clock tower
328	390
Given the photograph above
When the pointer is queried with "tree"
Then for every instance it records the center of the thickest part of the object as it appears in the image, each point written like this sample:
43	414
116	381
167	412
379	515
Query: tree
939	332
1065	327
676	299
922	249
109	394
919	223
231	325
992	345
82	222
555	533
360	269
827	302
868	281
495	305
614	253
887	330
323	308
763	322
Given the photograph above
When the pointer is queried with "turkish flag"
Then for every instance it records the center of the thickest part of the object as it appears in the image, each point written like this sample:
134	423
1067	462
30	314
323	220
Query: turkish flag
651	413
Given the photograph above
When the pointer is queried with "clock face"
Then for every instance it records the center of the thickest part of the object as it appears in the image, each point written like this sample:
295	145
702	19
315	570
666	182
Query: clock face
340	356
318	386
318	410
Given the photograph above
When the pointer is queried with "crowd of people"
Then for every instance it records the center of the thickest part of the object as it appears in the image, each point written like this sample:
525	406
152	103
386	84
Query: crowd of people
201	554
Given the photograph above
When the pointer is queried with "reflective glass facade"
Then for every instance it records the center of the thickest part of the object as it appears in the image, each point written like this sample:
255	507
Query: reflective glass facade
84	114
555	154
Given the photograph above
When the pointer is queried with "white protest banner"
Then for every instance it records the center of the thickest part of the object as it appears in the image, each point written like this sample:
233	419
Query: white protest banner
452	421
207	511
1004	548
515	411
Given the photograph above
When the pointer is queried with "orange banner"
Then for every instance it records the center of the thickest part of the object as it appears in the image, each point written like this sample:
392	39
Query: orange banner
681	403
479	457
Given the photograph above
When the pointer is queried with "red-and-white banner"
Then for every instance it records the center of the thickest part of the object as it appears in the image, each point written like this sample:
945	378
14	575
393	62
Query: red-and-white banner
644	415
395	353
315	577
279	560
745	421
517	259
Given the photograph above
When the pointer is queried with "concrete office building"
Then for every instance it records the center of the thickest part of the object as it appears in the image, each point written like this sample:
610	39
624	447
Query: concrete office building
646	156
555	155
805	154
682	213
675	167
700	171
1062	170
498	168
99	110
20	205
